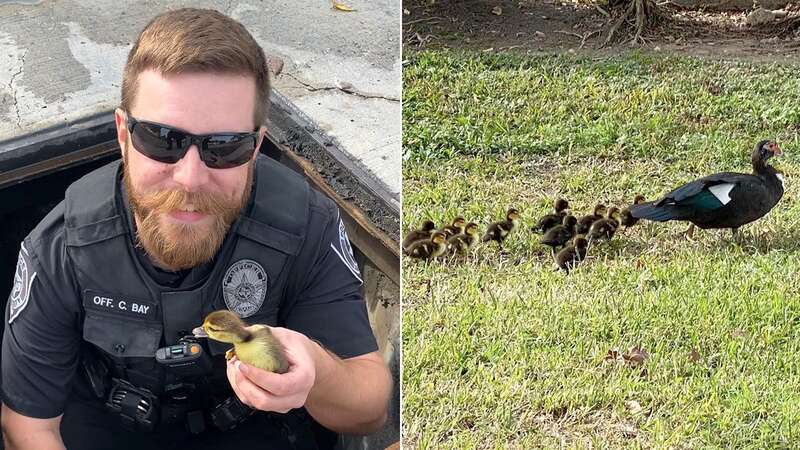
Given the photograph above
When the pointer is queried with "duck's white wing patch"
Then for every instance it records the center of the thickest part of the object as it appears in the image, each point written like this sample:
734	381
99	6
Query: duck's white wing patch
781	179
722	192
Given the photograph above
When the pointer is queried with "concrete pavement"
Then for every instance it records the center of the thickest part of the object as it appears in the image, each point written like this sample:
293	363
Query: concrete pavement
61	60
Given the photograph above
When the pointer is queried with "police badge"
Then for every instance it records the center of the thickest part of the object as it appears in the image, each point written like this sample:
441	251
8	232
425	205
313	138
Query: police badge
244	287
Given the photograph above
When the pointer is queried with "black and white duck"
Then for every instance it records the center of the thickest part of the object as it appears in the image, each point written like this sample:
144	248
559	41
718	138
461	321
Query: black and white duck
722	200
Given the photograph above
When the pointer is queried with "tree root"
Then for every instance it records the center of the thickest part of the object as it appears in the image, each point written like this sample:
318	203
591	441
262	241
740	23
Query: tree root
643	14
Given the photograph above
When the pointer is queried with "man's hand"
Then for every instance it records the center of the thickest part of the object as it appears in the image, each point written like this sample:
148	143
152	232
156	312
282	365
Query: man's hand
347	396
268	391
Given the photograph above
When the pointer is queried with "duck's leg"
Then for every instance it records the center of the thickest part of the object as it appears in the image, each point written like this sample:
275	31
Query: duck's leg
690	232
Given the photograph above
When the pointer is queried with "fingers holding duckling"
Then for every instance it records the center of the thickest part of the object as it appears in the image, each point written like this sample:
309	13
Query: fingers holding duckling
254	344
268	391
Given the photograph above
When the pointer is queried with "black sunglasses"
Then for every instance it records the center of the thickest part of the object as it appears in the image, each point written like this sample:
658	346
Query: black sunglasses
167	144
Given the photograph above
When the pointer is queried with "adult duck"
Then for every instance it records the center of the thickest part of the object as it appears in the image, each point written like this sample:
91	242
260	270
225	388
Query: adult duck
722	200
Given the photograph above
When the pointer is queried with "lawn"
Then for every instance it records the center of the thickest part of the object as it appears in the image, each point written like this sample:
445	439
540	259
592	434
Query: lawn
502	351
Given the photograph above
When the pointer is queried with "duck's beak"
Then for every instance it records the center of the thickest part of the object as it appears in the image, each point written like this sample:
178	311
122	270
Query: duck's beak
777	150
200	332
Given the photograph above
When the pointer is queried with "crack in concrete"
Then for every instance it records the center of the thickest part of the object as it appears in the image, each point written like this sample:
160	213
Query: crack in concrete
14	90
311	88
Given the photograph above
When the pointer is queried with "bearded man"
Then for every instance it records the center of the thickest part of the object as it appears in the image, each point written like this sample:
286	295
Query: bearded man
192	220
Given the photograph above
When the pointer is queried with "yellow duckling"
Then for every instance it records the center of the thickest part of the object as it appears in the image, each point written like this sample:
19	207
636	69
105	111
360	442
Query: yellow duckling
254	345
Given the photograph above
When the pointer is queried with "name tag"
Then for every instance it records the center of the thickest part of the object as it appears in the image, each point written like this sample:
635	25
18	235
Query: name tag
116	304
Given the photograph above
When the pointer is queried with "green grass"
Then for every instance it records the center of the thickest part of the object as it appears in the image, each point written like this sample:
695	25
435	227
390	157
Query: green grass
503	351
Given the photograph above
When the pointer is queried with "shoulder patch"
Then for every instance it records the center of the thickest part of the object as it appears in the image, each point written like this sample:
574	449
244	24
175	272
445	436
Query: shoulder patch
345	251
23	280
244	287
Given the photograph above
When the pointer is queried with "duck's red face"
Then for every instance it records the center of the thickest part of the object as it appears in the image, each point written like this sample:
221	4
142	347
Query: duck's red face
773	148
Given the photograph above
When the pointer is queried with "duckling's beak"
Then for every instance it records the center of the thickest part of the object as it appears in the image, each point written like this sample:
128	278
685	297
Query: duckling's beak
200	332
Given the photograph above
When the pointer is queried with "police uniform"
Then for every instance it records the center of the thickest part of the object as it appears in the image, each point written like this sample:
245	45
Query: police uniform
88	312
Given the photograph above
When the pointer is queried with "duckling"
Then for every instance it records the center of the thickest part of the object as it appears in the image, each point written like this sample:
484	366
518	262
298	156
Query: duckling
254	345
550	220
627	218
585	222
420	234
428	248
498	231
456	228
462	242
570	256
606	227
559	235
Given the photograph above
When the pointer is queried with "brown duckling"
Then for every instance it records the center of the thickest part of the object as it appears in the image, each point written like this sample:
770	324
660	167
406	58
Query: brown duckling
606	227
428	248
550	220
456	228
570	256
626	218
498	231
462	242
559	235
417	235
585	222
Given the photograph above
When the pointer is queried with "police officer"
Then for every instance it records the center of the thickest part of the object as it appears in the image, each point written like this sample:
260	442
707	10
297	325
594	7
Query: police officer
192	220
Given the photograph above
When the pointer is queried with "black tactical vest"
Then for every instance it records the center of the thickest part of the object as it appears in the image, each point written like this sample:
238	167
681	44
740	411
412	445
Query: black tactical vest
128	316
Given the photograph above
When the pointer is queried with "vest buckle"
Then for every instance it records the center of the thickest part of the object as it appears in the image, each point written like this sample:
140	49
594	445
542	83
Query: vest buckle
137	407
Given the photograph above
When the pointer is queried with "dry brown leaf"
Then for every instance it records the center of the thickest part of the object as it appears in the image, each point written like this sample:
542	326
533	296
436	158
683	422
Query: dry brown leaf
694	356
342	7
629	431
737	333
635	356
633	406
497	11
612	355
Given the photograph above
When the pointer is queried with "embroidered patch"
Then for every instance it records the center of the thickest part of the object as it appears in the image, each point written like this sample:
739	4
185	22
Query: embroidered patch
244	287
23	280
345	252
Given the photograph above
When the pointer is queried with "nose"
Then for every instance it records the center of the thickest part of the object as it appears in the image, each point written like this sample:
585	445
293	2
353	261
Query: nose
191	172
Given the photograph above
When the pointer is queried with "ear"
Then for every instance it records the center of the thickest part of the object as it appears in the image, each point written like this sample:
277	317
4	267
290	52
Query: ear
122	128
262	131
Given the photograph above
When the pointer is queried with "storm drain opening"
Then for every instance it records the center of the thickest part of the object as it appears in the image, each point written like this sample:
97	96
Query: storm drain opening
36	169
